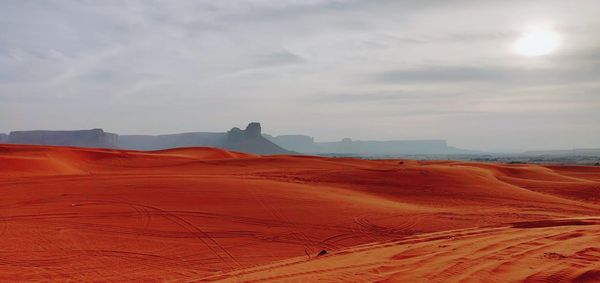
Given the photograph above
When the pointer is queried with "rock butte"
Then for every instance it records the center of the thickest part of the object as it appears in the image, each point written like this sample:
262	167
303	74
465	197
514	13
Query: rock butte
206	214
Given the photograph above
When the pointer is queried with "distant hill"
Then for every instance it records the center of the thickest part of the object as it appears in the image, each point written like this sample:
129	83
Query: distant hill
249	140
306	144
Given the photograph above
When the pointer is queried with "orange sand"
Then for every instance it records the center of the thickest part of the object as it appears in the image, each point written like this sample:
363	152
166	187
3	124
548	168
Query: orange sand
202	214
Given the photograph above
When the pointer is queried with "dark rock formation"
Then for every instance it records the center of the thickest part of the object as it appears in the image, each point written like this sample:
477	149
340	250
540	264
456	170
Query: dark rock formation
253	130
3	138
82	138
251	140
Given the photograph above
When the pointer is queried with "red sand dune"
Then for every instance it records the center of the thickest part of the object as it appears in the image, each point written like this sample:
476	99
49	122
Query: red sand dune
203	214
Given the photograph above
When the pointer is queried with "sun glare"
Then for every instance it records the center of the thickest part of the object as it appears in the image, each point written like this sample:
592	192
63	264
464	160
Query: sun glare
537	43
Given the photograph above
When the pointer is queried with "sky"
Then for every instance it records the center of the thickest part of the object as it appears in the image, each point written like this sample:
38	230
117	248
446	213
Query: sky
368	70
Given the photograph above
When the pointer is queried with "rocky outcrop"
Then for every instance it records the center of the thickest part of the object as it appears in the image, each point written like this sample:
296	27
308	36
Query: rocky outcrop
251	140
253	130
3	138
81	138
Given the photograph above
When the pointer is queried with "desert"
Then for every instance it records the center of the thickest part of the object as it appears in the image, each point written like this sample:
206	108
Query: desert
300	141
206	214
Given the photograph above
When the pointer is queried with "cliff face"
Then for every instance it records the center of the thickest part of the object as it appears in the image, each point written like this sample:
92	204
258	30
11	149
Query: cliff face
82	138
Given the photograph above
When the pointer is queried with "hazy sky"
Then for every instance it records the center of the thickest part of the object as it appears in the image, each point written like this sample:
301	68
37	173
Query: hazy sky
330	69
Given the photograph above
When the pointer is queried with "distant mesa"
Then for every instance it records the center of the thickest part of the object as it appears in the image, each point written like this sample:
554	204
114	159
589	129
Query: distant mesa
81	138
306	144
249	140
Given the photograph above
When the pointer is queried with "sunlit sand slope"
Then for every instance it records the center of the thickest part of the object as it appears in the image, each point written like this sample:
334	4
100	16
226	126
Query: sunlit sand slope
565	250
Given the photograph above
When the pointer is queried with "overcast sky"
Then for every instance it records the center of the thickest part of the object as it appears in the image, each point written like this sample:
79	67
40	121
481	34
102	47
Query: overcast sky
329	69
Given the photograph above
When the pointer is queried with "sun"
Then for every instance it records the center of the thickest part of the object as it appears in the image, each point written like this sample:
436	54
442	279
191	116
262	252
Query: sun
537	43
